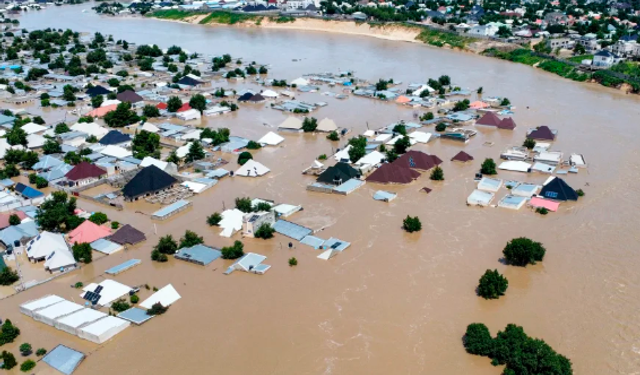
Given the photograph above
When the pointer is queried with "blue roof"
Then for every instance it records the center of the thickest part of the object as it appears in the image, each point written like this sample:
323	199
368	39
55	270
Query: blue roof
6	119
291	230
135	315
334	243
56	172
198	254
14	233
312	241
27	191
349	186
170	208
218	173
46	162
7	182
123	266
382	195
63	359
105	246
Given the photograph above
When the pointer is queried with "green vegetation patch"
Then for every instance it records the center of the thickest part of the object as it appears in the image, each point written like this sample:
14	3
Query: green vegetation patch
227	18
440	38
172	14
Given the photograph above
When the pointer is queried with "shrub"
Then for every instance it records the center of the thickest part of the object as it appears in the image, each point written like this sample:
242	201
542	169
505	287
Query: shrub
477	340
214	219
98	218
529	143
333	136
190	239
437	174
542	210
78	285
580	192
244	157
411	224
158	256
441	127
492	285
8	332
157	309
27	365
134	298
40	352
244	204
265	231
25	349
322	157
14	219
522	251
9	360
115	225
8	276
293	261
120	305
253	145
233	252
488	167
309	124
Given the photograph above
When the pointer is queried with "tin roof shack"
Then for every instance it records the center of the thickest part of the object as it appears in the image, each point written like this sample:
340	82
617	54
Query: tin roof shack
253	221
84	174
557	189
149	180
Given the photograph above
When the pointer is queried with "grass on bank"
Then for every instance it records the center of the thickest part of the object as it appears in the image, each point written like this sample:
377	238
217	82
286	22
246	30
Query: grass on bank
227	18
440	39
172	14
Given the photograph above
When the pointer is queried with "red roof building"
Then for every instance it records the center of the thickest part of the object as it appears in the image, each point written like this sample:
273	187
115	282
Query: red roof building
507	123
462	156
418	160
185	107
162	106
393	174
85	173
489	119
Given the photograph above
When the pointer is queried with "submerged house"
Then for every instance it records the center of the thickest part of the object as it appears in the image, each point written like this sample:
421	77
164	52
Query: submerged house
393	174
418	160
149	180
53	249
557	189
84	173
543	133
251	222
338	174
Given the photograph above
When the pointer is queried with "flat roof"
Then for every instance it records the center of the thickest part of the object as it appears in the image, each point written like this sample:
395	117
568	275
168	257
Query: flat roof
81	317
165	211
104	325
63	359
123	267
135	315
105	246
41	302
199	254
291	230
59	309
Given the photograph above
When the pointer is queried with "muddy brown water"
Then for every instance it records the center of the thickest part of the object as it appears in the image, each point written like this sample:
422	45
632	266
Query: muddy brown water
393	302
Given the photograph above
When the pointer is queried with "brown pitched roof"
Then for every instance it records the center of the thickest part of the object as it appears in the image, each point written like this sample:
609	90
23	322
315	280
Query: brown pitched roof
462	156
127	234
418	160
84	170
129	96
489	119
542	132
393	174
507	123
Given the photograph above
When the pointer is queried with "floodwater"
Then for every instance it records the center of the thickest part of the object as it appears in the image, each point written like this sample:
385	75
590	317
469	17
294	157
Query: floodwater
393	303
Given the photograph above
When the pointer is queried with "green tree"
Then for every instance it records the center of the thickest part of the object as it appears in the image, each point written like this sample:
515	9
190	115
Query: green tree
55	214
97	101
244	204
146	144
174	104
233	252
333	136
579	50
157	309
14	219
150	111
411	224
25	349
401	145
505	102
29	158
61	128
400	129
253	145
9	360
98	218
437	174
244	157
17	136
121	116
198	102
8	332
492	285
190	239
8	276
158	256
214	219
196	152
477	340
40	352
523	251
504	32
82	252
265	231
462	105
529	143
309	124
51	147
444	80
173	157
166	245
120	305
134	298
488	167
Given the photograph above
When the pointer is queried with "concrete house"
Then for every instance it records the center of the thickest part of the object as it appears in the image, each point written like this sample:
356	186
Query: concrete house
252	221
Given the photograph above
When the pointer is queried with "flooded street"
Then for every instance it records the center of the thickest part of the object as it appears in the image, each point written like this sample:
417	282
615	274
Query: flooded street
392	303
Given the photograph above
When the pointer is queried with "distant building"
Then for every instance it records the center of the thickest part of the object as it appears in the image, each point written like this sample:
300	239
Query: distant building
626	48
589	42
560	43
556	18
605	59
